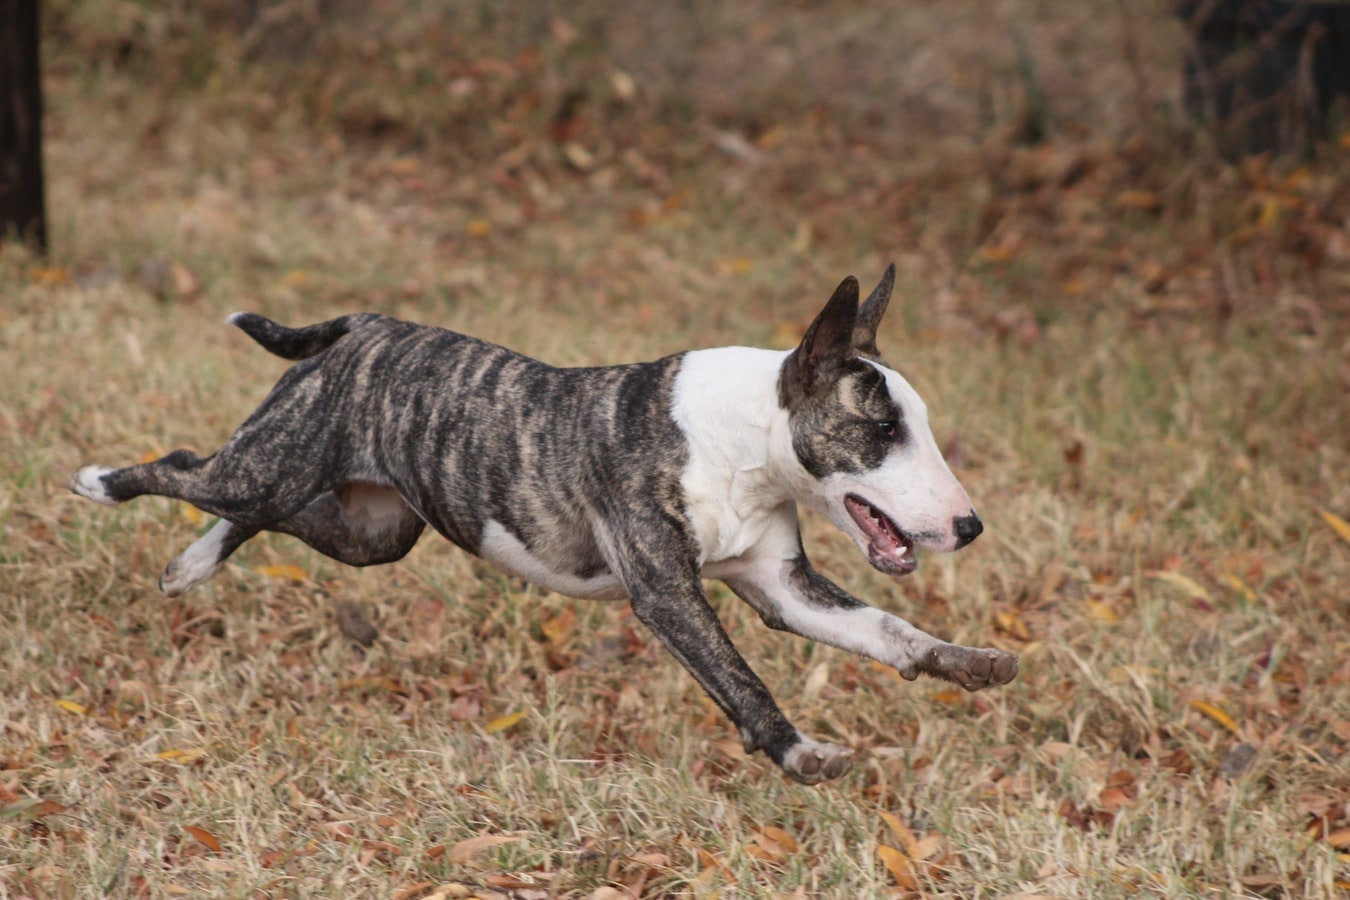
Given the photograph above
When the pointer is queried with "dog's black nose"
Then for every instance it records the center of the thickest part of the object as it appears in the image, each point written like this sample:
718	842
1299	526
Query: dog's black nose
967	528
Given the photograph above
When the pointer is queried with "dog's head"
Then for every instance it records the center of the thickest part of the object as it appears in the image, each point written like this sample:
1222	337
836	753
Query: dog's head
861	432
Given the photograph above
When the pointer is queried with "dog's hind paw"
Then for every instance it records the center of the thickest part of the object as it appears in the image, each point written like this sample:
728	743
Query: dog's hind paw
972	668
88	483
812	762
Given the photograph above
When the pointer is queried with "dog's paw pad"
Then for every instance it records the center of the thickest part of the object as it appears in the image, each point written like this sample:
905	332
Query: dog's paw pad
812	762
972	668
88	483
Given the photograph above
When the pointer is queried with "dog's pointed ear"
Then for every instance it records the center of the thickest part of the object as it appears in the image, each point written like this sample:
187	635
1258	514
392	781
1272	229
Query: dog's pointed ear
869	316
828	344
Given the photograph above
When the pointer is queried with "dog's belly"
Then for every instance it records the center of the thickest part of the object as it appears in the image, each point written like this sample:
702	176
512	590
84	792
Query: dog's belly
501	548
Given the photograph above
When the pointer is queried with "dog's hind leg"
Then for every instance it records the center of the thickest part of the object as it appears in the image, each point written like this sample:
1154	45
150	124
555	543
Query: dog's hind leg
248	491
359	524
202	559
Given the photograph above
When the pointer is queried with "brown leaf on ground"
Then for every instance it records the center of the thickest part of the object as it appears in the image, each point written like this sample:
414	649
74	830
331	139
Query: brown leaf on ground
467	849
204	837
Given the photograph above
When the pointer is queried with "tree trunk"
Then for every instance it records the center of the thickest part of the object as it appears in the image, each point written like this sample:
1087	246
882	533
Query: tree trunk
22	208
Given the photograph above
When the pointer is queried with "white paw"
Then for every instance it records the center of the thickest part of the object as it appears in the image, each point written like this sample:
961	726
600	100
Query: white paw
88	482
186	571
195	564
812	762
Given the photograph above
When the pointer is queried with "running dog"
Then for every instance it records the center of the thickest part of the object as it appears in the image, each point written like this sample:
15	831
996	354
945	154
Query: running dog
619	481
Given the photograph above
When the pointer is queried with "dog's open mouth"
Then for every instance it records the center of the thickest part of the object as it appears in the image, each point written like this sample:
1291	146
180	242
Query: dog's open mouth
888	548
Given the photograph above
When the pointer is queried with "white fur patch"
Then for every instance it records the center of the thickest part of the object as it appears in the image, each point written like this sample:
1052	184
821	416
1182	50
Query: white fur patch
88	483
501	548
740	470
195	564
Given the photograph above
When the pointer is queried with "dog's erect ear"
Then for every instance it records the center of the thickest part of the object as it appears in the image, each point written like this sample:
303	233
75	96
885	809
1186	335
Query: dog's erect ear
828	344
869	316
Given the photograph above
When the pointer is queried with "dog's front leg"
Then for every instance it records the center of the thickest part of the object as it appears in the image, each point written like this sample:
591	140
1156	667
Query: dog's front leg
667	596
792	596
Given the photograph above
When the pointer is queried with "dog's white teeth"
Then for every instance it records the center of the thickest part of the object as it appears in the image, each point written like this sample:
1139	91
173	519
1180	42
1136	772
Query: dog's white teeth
903	550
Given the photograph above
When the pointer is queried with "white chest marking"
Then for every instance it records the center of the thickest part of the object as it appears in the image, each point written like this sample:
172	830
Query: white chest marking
501	548
726	403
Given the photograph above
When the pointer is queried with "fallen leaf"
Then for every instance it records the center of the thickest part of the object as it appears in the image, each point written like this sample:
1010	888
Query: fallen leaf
777	834
1189	586
1262	881
1338	525
1237	584
52	275
467	849
772	845
371	683
930	847
902	833
1113	799
501	723
204	837
1009	622
71	706
996	253
764	854
1218	715
184	755
1340	839
1141	200
479	228
714	866
293	573
1101	611
557	628
1238	760
900	867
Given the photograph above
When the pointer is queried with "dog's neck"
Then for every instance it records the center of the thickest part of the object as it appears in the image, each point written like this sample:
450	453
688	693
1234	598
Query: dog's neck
742	470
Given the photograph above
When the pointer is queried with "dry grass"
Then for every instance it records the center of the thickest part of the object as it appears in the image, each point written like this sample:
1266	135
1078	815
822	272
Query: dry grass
1138	363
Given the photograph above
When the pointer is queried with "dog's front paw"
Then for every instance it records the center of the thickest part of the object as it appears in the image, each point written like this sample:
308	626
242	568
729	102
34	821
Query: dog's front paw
812	762
972	668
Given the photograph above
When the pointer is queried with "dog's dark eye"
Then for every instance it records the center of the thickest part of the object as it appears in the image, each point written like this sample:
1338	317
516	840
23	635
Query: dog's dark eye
890	428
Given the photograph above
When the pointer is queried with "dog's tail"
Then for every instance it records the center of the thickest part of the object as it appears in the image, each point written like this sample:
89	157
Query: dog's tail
298	343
